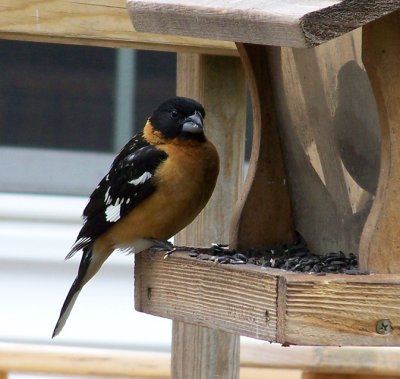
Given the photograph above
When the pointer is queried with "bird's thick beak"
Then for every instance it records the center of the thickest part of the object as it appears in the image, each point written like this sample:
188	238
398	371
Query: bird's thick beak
193	124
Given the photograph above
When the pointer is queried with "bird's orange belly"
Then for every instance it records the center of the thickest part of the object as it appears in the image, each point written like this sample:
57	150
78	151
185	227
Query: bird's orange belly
182	192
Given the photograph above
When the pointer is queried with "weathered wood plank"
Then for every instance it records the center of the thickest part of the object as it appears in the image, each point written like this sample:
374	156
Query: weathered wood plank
344	360
240	300
99	23
218	83
291	23
338	310
221	88
380	241
320	375
263	214
24	358
200	352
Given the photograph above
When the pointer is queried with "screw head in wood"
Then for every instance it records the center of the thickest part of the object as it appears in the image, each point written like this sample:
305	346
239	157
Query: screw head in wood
384	327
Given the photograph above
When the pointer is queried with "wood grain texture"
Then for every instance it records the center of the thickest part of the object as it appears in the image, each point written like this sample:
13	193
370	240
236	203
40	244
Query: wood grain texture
98	22
291	23
338	310
218	83
263	214
329	128
230	298
200	352
83	361
380	242
339	360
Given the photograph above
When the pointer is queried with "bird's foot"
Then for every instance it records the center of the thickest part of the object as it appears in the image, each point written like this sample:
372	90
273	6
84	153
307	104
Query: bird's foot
168	247
159	245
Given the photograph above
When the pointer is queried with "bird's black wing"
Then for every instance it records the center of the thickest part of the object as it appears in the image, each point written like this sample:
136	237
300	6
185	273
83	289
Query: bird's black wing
126	185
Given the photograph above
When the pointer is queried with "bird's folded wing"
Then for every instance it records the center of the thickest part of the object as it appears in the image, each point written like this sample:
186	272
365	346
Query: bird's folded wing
129	182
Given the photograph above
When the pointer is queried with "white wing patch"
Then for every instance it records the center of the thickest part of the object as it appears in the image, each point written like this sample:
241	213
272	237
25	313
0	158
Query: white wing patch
113	212
107	197
141	179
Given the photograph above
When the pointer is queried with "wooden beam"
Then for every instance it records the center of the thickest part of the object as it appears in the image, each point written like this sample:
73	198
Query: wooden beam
219	84
262	358
293	23
83	361
380	241
343	360
320	375
99	23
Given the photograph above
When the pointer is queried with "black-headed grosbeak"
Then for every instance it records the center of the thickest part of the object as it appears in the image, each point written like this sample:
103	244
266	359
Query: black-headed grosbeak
157	185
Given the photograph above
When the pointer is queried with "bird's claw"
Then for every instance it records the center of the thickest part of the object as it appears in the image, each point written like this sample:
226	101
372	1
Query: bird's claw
162	246
169	252
168	247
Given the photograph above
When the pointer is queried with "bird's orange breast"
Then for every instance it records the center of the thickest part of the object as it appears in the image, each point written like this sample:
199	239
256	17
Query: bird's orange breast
184	184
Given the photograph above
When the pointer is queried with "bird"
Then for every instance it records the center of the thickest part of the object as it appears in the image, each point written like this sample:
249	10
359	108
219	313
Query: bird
157	184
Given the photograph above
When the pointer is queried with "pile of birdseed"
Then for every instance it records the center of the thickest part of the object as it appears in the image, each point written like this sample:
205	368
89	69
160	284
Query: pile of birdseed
290	257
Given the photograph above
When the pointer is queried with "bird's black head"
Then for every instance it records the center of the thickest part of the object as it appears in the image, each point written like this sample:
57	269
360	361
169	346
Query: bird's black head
179	117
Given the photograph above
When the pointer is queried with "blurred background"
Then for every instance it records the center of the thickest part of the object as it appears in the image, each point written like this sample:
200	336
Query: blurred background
65	111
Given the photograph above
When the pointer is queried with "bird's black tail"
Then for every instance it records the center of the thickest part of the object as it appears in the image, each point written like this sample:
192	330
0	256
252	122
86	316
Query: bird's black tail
73	293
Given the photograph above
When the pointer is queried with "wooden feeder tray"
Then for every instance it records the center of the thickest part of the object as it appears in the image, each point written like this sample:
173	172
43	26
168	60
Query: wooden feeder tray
270	304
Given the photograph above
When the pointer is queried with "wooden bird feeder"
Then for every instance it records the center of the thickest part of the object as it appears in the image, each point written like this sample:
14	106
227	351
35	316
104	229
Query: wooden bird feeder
325	161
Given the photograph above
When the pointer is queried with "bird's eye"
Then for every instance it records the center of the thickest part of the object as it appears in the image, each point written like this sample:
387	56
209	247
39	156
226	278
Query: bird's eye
174	114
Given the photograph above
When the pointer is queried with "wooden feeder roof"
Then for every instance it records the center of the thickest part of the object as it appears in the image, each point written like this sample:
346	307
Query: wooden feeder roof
293	23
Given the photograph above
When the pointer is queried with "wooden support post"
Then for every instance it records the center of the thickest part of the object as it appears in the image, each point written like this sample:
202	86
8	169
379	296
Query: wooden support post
380	240
218	83
263	216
